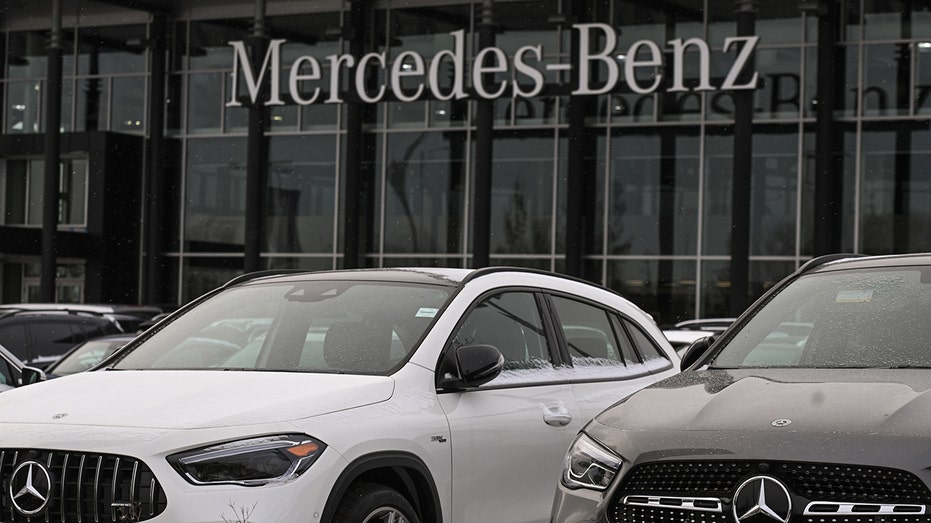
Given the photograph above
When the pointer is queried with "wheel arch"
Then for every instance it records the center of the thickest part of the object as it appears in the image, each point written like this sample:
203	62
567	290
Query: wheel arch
399	470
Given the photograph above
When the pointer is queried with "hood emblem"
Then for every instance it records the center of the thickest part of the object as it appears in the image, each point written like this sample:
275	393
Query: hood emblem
781	422
762	499
30	487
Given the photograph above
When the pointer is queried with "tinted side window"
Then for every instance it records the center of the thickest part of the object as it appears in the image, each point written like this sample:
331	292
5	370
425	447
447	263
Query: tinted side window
510	322
588	334
13	337
653	357
52	338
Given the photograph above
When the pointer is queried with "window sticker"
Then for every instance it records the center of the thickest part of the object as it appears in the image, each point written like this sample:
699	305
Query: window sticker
854	296
426	312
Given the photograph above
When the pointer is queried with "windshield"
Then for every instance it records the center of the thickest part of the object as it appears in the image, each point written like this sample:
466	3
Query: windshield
316	326
846	319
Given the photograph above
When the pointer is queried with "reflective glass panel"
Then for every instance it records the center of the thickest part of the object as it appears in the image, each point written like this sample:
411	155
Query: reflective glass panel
895	199
111	49
663	288
886	85
774	187
301	196
522	210
425	196
92	103
215	200
654	192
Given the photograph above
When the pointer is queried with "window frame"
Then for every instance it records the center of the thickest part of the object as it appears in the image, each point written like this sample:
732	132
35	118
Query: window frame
556	341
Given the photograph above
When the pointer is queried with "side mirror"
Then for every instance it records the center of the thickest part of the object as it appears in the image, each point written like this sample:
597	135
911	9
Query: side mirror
695	351
469	366
32	375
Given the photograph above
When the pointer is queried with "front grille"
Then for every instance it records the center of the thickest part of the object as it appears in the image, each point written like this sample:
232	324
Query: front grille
85	487
650	493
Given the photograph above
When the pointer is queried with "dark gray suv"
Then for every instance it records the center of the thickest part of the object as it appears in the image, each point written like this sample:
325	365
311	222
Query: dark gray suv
813	407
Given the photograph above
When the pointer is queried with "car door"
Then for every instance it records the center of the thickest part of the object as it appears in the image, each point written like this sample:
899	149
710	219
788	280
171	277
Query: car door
612	355
508	437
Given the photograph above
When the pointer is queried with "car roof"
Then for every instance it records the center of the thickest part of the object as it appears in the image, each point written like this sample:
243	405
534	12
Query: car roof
445	276
412	274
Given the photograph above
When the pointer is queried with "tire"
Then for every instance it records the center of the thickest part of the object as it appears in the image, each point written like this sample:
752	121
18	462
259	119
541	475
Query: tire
374	503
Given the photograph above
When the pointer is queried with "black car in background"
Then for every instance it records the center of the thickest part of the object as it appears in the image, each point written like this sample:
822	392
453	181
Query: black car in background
39	338
815	406
128	318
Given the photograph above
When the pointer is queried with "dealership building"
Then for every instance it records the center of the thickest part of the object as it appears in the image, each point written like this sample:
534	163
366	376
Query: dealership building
686	153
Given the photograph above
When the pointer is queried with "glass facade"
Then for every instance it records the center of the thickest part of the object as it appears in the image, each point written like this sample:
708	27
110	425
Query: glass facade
659	208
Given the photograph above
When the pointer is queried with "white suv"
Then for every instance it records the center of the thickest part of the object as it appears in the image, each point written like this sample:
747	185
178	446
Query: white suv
406	395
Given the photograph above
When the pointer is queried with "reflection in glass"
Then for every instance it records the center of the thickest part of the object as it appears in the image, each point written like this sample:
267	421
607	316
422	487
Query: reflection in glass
890	20
111	49
719	164
654	192
24	106
522	195
780	83
92	106
923	78
424	192
216	195
204	104
128	102
301	198
774	190
886	82
201	275
209	42
896	195
663	288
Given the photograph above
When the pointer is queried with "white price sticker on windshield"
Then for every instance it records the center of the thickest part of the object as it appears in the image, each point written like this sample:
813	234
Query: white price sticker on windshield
854	296
427	312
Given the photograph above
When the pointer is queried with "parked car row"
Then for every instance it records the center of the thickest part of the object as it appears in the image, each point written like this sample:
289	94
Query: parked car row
435	395
39	334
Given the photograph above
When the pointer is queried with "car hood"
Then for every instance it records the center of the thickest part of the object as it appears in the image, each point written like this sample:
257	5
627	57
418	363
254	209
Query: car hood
836	401
188	399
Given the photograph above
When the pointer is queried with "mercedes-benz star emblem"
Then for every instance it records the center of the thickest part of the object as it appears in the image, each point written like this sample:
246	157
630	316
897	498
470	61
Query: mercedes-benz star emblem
781	422
30	486
762	499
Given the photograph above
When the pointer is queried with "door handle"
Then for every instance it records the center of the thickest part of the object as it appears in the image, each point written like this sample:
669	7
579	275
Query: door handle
557	416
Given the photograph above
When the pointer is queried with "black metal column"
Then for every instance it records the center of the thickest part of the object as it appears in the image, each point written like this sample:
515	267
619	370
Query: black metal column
828	184
353	157
256	152
580	183
742	175
51	184
484	150
154	246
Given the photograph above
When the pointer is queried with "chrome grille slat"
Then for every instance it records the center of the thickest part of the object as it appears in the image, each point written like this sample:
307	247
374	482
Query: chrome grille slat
103	488
116	474
666	491
97	490
863	509
80	483
63	481
675	502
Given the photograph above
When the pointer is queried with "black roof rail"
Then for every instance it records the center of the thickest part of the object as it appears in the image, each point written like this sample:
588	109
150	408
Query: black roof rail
827	258
249	276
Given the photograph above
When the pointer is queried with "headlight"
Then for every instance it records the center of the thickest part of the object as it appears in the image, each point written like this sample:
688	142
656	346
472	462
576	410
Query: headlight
589	465
249	462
